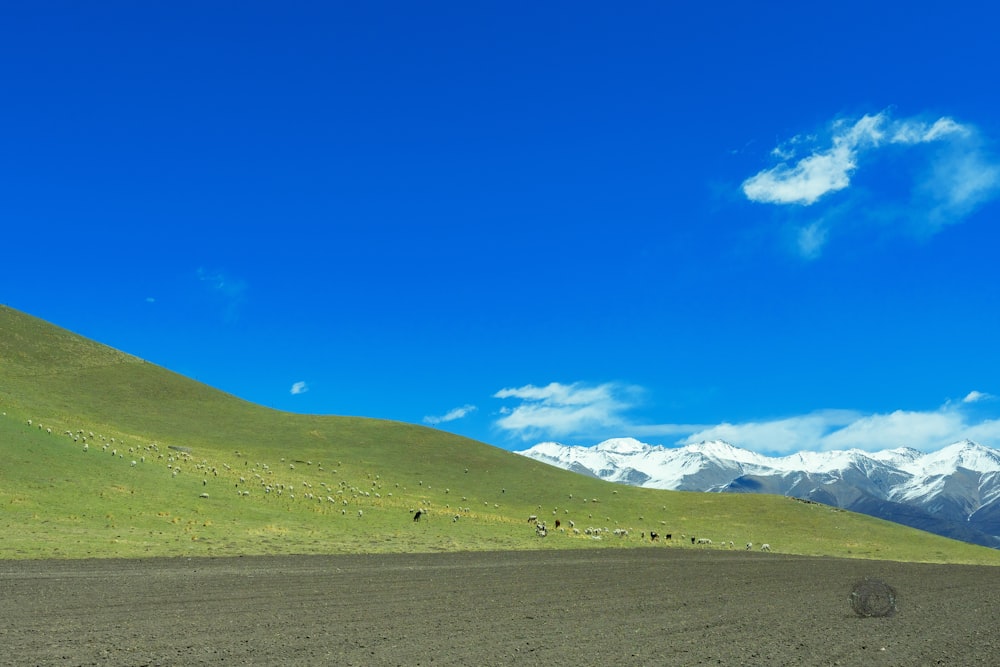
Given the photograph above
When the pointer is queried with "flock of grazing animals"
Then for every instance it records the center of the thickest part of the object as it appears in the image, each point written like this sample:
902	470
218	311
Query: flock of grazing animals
262	478
599	533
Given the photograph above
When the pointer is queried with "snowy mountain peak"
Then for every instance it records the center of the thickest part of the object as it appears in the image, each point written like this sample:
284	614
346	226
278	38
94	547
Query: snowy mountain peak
550	449
713	448
723	451
623	446
965	454
900	457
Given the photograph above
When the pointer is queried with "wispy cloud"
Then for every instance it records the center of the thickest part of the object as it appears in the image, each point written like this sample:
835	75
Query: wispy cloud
557	410
948	174
451	415
811	239
299	388
229	291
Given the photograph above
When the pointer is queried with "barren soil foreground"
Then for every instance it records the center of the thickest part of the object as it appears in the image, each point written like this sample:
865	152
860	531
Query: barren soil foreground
622	607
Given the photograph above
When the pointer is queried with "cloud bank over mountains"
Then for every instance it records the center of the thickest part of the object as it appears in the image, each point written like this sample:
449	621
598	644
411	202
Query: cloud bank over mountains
594	412
913	174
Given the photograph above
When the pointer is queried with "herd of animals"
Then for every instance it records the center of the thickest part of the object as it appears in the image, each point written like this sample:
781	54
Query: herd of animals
542	531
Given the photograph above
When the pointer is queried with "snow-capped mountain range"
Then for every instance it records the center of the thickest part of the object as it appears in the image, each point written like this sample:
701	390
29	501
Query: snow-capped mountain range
954	491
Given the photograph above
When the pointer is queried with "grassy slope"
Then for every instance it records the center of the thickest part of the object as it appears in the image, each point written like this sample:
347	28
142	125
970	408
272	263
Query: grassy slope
60	500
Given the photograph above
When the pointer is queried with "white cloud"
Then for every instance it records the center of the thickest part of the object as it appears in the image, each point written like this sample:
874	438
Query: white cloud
942	175
848	429
986	432
451	415
920	430
805	183
558	410
975	396
299	388
778	435
824	171
916	132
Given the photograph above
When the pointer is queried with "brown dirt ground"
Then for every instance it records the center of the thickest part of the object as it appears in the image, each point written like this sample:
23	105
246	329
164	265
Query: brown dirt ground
603	607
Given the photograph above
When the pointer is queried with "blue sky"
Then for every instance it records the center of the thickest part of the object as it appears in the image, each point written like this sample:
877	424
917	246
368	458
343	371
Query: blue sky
524	221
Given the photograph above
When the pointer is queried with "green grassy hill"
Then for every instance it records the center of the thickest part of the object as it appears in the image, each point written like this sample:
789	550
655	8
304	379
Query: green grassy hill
105	455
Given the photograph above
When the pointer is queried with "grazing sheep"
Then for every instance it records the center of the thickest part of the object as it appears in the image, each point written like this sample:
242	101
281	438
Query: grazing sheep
360	514
533	518
765	547
704	540
749	546
652	536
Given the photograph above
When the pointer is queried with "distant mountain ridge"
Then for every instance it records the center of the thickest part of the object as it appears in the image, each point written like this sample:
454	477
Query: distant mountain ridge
954	492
